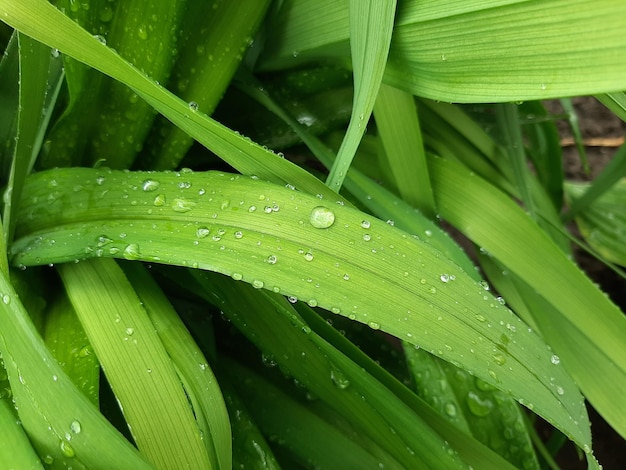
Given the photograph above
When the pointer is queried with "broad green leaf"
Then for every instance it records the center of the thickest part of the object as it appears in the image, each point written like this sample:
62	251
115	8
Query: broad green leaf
480	51
40	20
200	384
65	144
298	428
296	244
68	343
499	226
371	25
204	69
75	434
16	450
136	364
603	222
399	131
145	34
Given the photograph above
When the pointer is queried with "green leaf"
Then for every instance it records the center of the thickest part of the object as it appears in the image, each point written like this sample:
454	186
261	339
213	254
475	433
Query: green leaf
499	226
283	240
399	131
42	21
200	384
603	222
75	434
136	364
480	51
16	450
371	25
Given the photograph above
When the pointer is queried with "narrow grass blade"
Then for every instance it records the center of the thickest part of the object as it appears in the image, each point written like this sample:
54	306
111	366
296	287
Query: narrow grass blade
371	25
544	149
616	102
204	69
299	429
218	221
75	434
200	384
610	175
399	131
42	21
70	346
496	223
603	222
40	76
572	118
9	94
136	364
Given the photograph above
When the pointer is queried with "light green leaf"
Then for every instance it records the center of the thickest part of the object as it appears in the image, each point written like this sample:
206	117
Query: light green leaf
603	222
479	51
499	226
136	364
371	25
75	434
276	238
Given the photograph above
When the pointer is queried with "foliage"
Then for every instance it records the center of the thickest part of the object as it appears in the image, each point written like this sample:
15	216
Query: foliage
243	313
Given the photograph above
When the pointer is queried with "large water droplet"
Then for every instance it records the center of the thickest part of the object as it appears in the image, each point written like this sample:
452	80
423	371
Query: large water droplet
193	106
75	427
150	185
321	217
478	406
67	449
131	252
339	379
555	359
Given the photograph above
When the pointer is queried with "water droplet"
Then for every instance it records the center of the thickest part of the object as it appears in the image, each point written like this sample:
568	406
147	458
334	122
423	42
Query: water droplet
365	224
367	237
338	378
202	232
308	256
193	106
499	359
374	326
268	360
131	252
444	278
100	39
480	317
346	277
560	390
182	205
150	185
450	409
271	259
159	200
312	303
6	300
293	299
257	284
237	276
555	359
238	234
142	32
477	405
67	449
321	217
129	331
251	208
75	427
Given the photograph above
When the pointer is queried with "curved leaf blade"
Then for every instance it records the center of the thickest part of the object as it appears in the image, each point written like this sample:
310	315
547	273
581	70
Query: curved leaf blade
329	255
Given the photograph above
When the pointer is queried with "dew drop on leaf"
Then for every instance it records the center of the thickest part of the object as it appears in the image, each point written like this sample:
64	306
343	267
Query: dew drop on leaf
150	185
478	406
131	252
75	427
339	379
321	217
